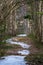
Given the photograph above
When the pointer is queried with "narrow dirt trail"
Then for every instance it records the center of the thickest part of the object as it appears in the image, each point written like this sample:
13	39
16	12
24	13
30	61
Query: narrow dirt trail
21	53
24	50
27	41
23	46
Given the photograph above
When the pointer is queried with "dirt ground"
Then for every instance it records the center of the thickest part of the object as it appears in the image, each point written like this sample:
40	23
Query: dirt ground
14	48
33	49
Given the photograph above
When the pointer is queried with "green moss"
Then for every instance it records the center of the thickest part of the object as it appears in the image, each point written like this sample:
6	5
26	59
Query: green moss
33	37
37	43
41	13
2	43
7	47
34	59
34	56
7	37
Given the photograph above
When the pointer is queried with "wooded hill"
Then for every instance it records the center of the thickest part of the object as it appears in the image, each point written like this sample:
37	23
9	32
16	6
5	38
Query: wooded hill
17	15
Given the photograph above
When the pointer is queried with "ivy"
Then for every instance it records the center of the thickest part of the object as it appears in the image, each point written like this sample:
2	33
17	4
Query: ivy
41	13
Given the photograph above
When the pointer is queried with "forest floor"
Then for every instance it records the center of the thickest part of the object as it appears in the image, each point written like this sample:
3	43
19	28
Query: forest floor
33	54
36	51
11	49
28	41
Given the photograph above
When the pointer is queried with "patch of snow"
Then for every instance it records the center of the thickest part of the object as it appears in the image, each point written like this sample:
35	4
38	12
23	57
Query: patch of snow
24	52
13	60
22	44
22	35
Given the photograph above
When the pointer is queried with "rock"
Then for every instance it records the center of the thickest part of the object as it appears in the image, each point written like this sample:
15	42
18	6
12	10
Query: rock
2	58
